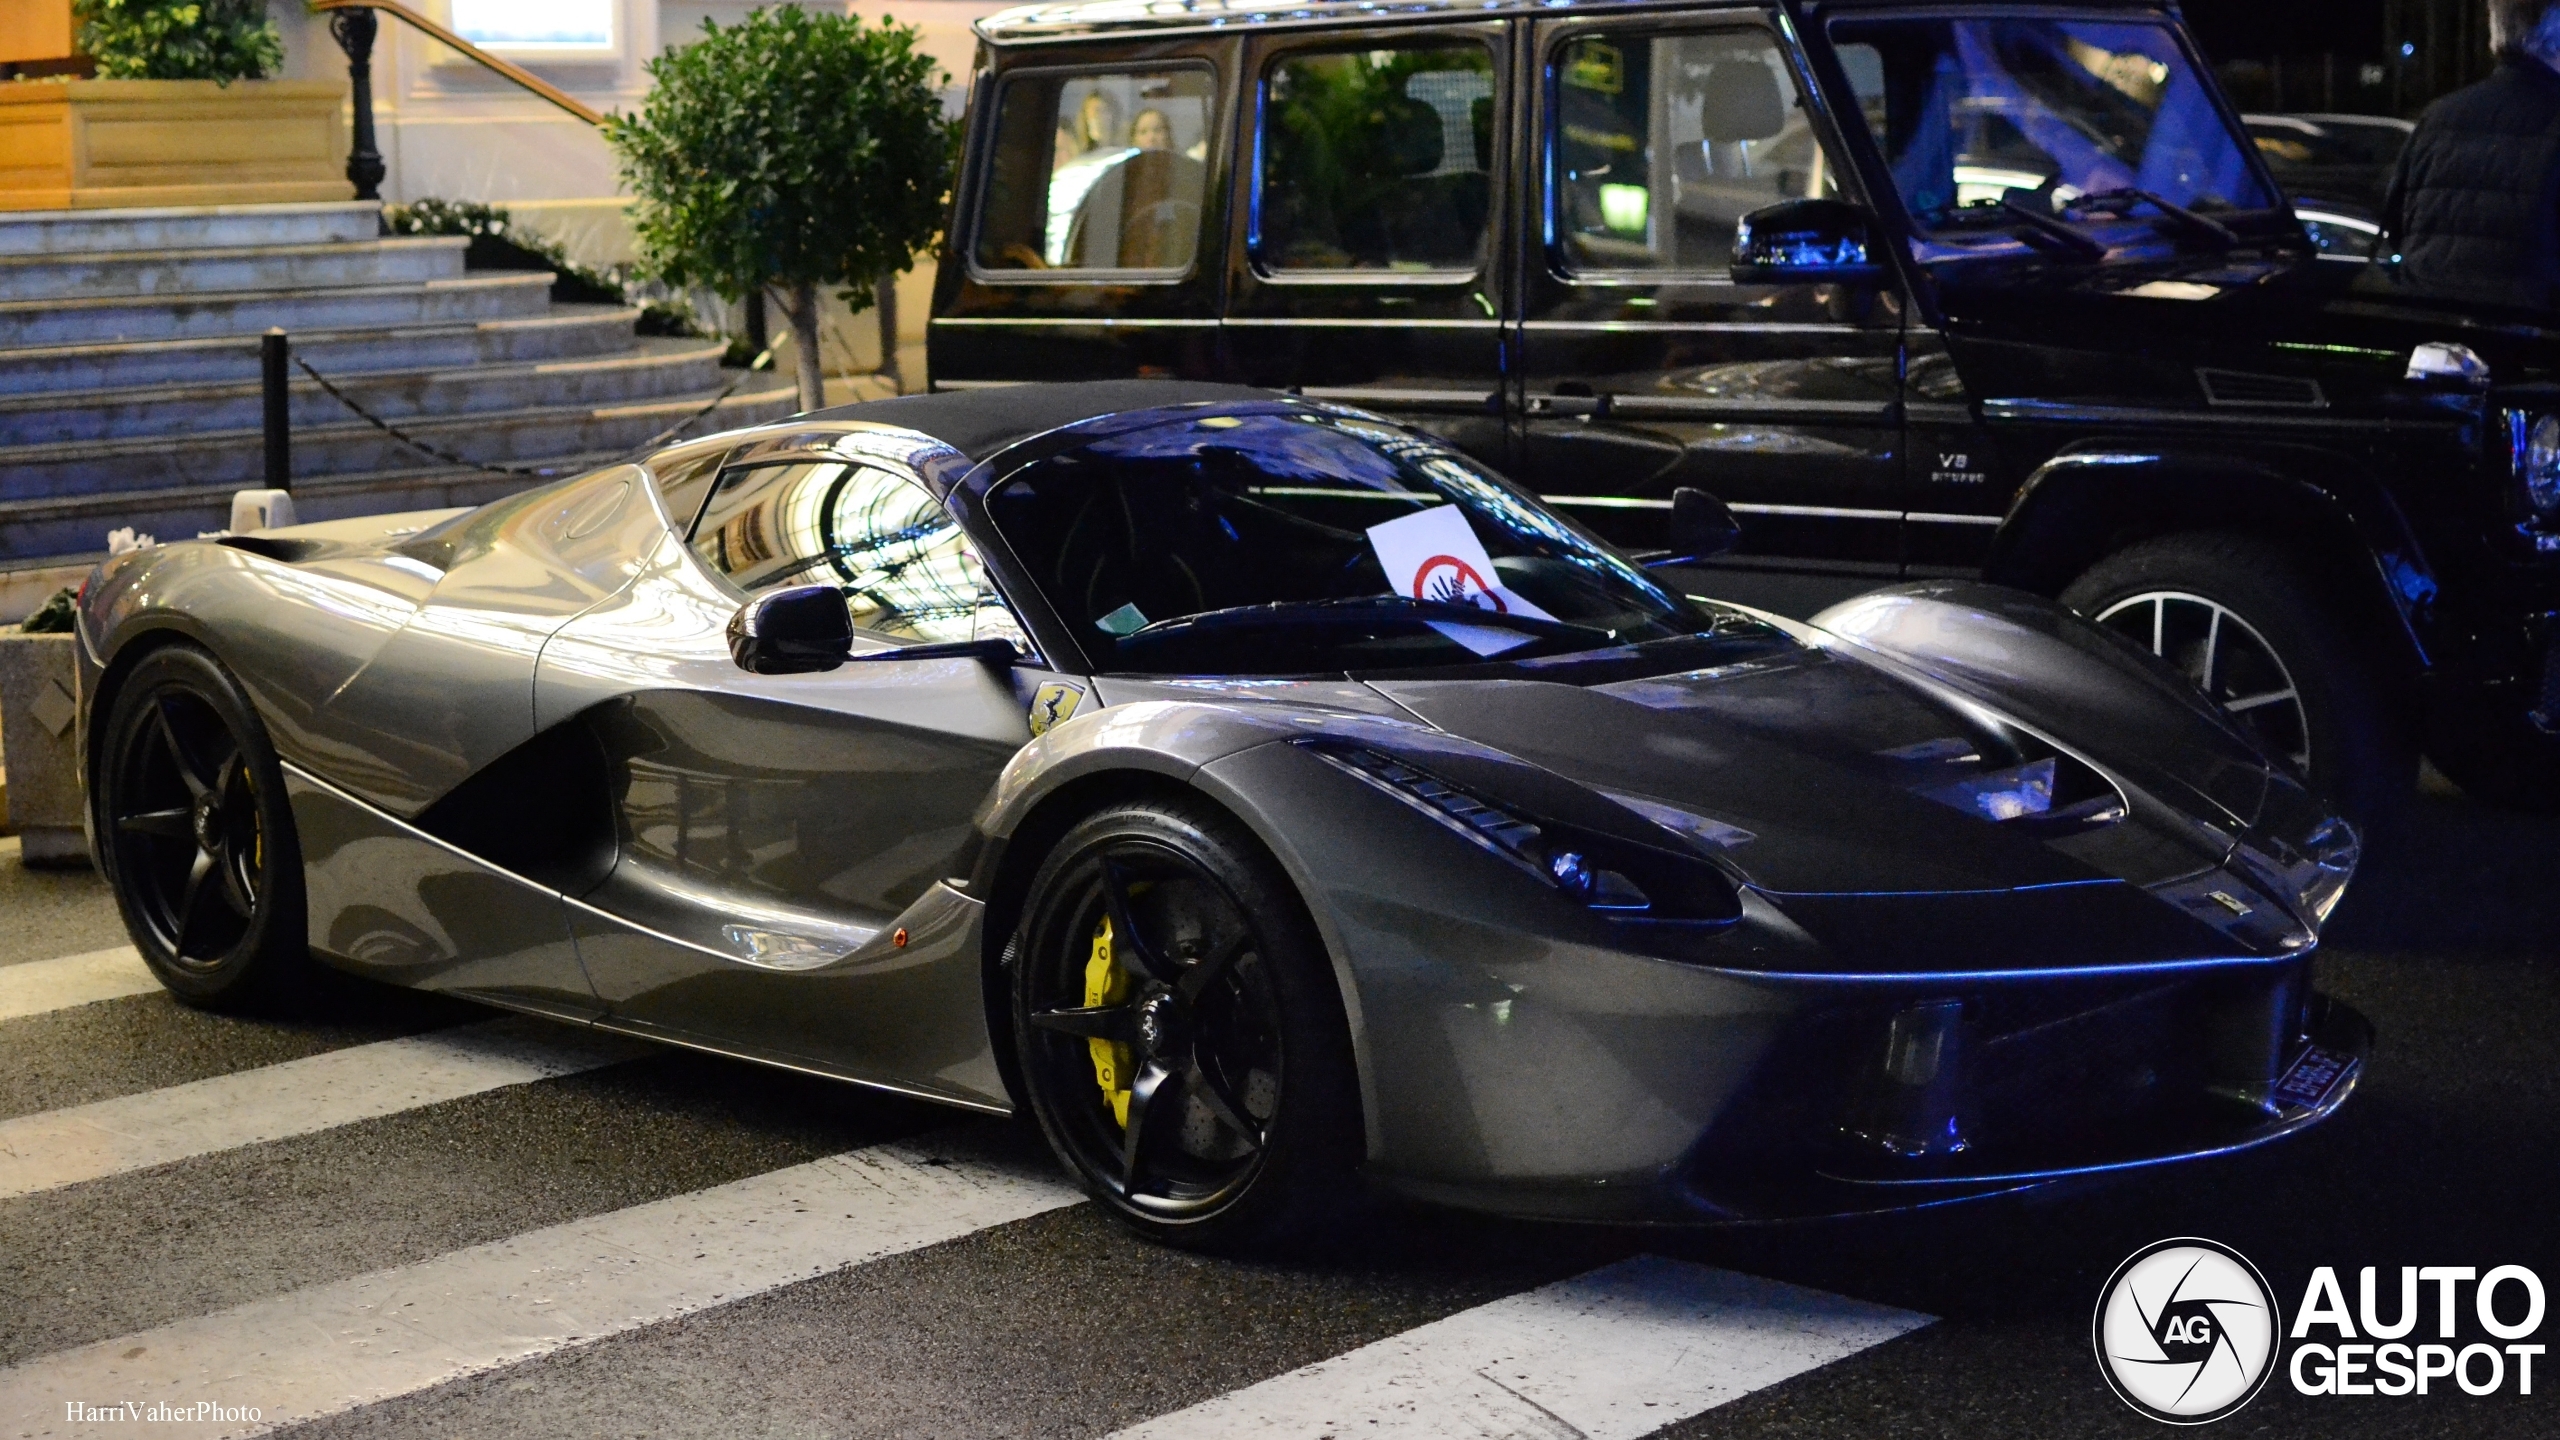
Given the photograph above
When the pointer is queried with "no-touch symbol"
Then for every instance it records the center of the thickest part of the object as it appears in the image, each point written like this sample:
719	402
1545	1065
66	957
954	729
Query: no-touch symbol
1452	581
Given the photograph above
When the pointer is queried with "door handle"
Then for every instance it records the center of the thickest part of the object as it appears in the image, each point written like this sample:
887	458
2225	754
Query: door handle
1593	406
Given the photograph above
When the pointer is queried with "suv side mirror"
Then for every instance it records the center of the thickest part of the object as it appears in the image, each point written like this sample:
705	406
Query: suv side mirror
792	631
1805	240
1701	526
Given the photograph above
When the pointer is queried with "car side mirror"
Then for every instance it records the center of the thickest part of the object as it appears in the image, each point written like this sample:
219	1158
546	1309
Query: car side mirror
793	631
987	650
1701	526
1801	241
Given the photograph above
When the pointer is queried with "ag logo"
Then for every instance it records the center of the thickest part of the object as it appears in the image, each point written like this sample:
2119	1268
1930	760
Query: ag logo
2186	1331
1053	704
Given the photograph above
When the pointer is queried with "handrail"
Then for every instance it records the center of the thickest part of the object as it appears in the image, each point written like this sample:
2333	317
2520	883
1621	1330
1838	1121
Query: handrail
526	78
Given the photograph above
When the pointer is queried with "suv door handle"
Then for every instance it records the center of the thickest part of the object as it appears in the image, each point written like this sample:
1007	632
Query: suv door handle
1591	405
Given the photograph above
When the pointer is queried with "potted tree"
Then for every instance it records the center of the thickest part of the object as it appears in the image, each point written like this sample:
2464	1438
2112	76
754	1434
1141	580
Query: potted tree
791	152
181	114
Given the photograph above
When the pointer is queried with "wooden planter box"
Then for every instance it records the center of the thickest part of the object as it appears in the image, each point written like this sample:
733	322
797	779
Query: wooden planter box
92	144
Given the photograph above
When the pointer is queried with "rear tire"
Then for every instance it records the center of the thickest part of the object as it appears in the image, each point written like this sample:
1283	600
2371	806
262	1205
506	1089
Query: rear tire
2263	634
1180	1033
195	836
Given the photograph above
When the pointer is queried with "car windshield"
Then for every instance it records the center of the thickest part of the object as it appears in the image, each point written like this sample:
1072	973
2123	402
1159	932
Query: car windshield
1981	118
1306	540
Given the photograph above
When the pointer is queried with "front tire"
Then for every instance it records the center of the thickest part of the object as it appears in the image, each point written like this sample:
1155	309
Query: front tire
196	837
1181	1036
2264	636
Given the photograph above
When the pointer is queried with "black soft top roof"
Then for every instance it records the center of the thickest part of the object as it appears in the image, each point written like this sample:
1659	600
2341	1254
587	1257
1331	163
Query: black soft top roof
978	423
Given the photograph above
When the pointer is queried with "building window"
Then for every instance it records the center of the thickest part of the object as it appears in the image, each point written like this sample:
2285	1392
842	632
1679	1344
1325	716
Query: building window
573	25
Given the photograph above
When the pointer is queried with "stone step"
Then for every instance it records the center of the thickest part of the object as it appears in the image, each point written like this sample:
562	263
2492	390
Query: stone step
478	295
567	332
80	232
64	530
653	368
108	478
408	260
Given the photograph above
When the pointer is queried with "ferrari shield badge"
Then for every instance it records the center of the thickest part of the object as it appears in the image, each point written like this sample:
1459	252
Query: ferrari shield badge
1053	704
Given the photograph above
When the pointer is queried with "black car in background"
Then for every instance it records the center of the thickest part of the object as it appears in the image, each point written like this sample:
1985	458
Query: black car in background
1977	290
2338	170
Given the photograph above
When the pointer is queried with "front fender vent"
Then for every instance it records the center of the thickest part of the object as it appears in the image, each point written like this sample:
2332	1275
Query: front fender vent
275	547
2234	389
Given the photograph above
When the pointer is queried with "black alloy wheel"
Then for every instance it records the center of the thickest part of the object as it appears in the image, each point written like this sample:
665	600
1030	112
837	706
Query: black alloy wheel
1180	1032
2292	657
195	835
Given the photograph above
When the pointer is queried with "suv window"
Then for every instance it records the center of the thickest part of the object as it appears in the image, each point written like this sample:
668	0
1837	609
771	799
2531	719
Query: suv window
1376	159
1098	172
905	566
1971	112
1663	142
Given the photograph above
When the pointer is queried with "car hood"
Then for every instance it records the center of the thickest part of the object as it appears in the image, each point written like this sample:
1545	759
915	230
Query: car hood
1831	775
2140	331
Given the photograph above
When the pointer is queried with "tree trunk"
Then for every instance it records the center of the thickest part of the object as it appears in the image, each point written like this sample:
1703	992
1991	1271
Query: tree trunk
887	292
802	308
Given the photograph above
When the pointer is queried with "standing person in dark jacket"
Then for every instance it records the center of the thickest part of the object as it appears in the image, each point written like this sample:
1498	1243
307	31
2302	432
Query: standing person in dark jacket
2475	207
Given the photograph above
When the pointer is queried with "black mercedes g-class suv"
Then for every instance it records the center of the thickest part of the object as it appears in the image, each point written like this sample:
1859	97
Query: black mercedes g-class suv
1922	290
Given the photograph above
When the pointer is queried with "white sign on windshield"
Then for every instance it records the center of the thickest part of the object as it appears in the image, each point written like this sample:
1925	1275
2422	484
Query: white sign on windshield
1434	555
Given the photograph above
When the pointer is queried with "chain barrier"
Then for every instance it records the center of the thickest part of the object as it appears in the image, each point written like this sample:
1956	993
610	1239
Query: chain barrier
437	452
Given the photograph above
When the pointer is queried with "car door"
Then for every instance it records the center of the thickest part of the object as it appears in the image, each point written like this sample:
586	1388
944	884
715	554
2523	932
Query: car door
1365	250
1644	366
1090	243
789	848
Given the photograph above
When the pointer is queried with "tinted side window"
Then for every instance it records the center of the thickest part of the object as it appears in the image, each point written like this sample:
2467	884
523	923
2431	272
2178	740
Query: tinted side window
1663	142
1376	160
1097	172
904	563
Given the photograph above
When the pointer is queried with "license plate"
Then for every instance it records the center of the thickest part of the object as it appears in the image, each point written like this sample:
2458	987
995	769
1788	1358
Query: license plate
2315	1073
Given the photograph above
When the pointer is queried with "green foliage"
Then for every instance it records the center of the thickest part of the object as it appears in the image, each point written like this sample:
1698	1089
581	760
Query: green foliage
497	243
56	615
793	149
431	216
222	40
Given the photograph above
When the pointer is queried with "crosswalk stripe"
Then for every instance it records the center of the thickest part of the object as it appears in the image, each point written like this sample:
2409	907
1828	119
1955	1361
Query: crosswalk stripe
334	1347
298	1097
1614	1354
36	986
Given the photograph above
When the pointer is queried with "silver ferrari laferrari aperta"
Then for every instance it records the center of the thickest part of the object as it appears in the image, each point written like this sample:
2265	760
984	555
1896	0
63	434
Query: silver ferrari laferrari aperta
1267	797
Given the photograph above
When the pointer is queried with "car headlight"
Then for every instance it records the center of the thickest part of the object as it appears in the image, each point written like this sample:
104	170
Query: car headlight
2313	870
2537	461
1614	877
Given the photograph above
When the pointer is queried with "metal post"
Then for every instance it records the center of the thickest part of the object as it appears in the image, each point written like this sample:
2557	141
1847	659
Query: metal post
354	31
886	297
279	413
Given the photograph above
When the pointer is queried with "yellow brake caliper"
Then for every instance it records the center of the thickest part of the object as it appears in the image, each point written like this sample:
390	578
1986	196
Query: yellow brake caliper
1105	983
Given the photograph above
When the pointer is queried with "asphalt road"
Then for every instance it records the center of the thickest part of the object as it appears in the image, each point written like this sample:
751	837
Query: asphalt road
1047	1320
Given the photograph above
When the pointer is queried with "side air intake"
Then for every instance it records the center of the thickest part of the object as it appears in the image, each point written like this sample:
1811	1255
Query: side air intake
2235	389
